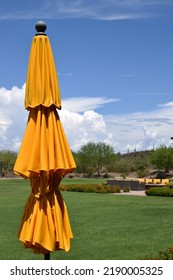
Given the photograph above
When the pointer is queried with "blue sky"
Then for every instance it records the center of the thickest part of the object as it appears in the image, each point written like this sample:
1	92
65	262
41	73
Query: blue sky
114	61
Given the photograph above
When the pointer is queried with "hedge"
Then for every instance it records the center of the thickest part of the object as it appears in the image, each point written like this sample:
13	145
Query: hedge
91	188
160	191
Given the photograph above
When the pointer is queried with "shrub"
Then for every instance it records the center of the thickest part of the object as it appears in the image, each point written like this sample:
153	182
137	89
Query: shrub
160	191
169	185
126	189
163	255
161	175
92	188
142	172
113	189
124	174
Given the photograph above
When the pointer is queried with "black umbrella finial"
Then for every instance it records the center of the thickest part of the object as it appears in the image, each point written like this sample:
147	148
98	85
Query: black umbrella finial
40	27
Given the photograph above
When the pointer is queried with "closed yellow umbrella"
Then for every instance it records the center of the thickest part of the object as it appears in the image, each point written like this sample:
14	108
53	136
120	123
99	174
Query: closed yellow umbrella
44	156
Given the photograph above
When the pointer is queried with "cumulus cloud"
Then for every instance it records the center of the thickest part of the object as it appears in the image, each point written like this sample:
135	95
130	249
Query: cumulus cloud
83	128
140	130
80	128
12	115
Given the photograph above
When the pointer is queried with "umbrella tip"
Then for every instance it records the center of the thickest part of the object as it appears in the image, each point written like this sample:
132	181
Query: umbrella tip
40	27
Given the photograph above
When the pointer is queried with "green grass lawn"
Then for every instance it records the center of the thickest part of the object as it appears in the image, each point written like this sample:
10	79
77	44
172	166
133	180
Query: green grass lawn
105	226
83	181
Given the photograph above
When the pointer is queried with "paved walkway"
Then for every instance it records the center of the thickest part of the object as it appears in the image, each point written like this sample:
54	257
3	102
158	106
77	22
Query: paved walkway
140	193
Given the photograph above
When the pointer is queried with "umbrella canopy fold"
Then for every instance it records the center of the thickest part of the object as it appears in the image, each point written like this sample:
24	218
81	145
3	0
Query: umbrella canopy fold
45	225
44	157
42	86
44	146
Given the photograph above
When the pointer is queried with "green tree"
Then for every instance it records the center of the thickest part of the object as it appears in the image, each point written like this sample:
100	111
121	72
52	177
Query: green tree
162	158
93	157
7	160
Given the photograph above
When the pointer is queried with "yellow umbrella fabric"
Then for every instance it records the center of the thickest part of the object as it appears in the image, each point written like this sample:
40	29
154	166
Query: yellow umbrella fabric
42	87
44	156
44	146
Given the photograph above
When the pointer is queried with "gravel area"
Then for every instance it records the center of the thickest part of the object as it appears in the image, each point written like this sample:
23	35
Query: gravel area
140	193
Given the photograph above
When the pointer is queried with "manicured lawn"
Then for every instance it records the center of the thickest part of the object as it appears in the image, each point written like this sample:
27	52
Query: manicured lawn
83	181
105	226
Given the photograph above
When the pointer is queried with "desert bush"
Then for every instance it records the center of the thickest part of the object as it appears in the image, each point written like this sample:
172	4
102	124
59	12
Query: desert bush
162	255
113	189
161	175
169	185
126	189
160	191
91	188
142	172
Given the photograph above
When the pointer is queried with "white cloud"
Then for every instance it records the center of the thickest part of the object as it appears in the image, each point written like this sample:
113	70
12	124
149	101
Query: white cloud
107	9
12	114
83	128
100	9
82	104
140	130
68	74
169	104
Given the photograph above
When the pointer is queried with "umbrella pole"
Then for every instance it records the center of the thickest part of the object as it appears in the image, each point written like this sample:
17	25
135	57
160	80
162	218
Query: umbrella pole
47	256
